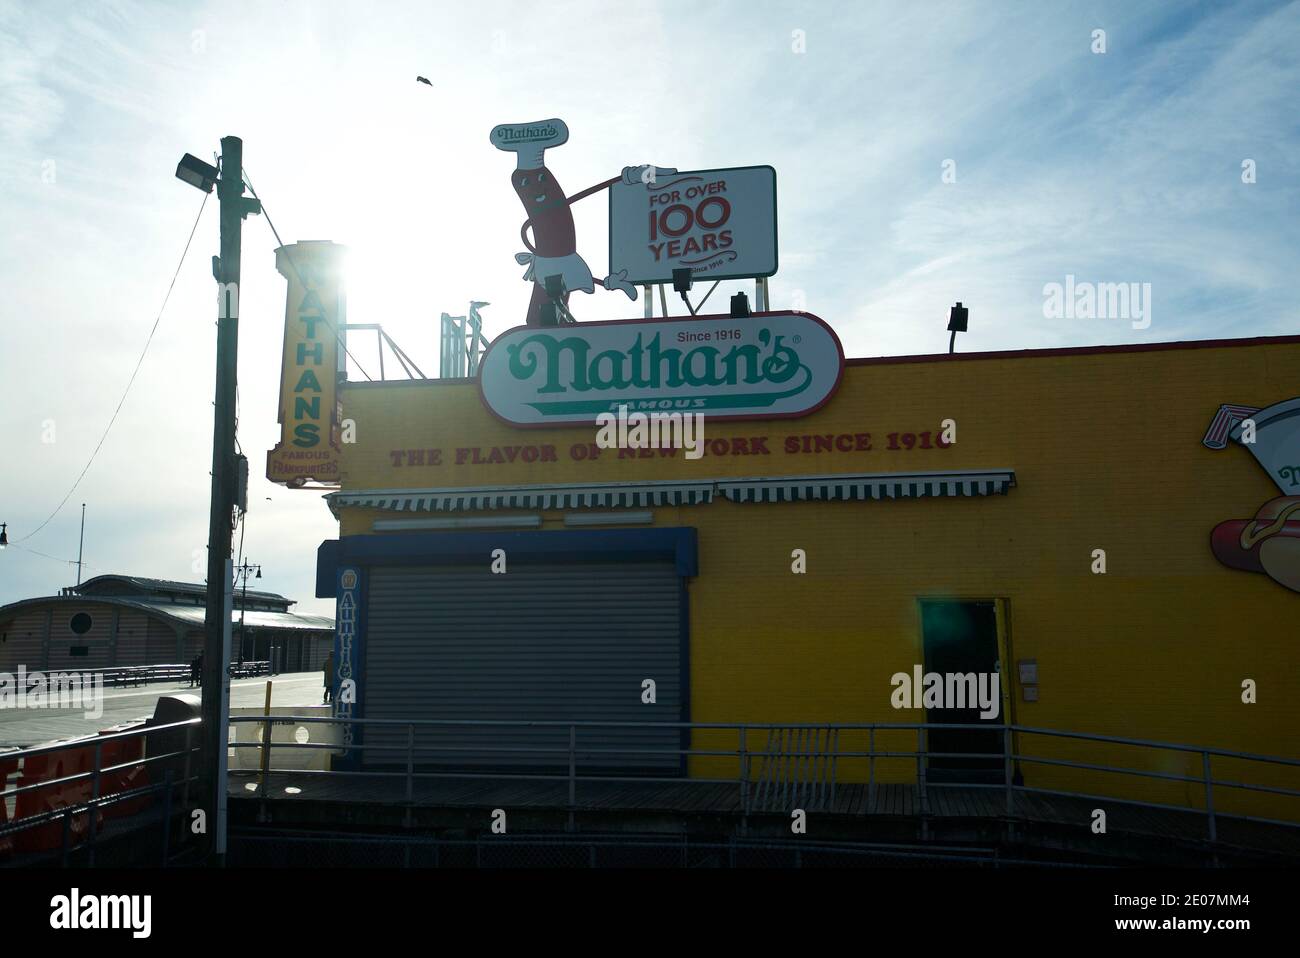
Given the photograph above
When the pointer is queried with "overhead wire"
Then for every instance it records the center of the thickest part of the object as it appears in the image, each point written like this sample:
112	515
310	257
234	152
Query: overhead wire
294	266
139	362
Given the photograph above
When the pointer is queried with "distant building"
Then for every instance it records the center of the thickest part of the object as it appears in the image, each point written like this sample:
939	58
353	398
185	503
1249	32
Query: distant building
129	620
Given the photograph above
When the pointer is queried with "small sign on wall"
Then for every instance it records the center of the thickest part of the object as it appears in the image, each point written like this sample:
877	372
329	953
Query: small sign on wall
347	654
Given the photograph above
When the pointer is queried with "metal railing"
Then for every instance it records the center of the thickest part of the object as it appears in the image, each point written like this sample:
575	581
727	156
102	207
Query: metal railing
123	675
799	766
66	799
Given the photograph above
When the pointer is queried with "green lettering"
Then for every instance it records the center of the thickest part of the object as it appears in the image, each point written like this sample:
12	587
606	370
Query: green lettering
523	365
750	355
707	376
658	357
616	379
308	381
306	434
310	301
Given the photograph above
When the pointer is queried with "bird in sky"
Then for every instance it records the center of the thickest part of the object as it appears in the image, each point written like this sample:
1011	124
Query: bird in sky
423	80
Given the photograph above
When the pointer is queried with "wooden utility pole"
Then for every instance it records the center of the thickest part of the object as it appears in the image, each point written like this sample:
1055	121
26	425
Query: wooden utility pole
216	621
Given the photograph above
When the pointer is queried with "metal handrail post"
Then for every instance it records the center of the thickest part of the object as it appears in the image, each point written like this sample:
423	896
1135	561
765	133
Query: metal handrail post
262	815
1007	763
1209	796
835	758
410	776
189	746
167	815
744	772
871	768
67	837
410	762
573	772
920	769
266	753
94	802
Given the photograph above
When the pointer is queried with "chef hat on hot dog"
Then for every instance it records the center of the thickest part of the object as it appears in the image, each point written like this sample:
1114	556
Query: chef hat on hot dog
529	141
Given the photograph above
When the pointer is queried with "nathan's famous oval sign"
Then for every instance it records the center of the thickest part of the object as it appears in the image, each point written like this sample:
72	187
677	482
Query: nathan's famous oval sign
773	366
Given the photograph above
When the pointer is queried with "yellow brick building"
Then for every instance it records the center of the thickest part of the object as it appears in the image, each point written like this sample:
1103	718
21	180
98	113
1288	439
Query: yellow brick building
1057	454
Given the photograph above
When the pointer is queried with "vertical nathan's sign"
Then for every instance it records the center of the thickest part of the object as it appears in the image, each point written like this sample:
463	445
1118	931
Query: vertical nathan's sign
309	370
720	224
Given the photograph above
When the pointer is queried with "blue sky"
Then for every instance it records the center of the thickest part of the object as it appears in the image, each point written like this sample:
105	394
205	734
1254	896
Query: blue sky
1116	167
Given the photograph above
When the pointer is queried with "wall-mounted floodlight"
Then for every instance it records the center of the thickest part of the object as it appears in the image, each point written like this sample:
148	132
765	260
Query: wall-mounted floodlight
739	306
683	279
956	323
200	175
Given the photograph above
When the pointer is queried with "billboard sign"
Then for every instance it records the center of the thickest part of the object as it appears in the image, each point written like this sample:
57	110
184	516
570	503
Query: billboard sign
772	366
721	224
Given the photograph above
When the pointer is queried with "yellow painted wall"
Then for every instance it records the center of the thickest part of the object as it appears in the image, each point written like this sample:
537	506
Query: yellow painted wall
1106	447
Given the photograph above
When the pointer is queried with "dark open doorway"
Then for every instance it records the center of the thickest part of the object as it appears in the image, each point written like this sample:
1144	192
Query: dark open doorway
961	637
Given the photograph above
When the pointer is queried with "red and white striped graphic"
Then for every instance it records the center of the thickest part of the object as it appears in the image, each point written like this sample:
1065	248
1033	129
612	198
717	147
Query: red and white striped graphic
1229	414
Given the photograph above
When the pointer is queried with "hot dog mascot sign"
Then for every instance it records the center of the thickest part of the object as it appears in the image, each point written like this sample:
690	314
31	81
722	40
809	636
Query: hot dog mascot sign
1269	542
553	252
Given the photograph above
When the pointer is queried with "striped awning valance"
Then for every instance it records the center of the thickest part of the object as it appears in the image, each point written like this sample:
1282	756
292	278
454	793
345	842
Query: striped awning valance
609	495
626	495
870	486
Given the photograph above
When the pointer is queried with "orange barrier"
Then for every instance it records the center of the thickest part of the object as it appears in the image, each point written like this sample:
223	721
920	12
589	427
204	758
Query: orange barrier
7	768
117	752
45	767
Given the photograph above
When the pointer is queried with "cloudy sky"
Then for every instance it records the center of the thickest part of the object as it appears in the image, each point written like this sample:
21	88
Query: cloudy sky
1122	166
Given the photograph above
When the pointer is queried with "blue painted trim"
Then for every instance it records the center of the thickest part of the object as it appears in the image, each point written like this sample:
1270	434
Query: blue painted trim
327	565
678	544
684	681
356	623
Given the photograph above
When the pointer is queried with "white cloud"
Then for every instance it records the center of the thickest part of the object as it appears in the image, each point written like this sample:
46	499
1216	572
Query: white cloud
1122	167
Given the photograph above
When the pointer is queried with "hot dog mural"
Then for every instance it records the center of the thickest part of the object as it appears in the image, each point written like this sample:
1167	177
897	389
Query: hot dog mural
554	249
1269	542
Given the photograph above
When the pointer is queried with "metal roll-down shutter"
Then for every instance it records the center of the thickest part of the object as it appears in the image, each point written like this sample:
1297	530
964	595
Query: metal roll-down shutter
562	641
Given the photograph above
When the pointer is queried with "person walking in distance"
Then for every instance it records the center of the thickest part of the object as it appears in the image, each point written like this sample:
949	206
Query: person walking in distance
329	677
